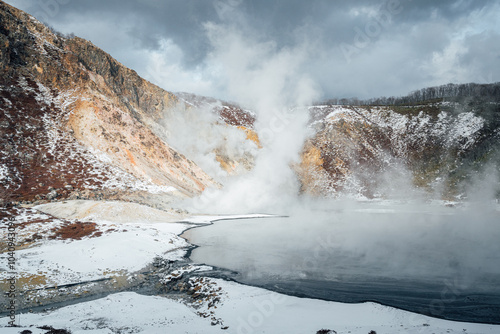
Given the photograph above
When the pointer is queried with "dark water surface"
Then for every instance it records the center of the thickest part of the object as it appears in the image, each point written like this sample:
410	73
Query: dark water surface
443	262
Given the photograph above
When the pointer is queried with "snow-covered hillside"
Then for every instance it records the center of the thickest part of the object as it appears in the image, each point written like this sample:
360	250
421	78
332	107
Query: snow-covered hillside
431	149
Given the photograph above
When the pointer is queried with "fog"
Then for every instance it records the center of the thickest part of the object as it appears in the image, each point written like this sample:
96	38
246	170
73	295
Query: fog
427	259
361	241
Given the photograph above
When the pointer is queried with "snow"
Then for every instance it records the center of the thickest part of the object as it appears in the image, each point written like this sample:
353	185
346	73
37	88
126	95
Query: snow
208	219
89	259
133	236
116	177
125	312
139	235
176	274
71	155
254	310
108	211
242	310
4	171
338	111
7	101
466	127
460	131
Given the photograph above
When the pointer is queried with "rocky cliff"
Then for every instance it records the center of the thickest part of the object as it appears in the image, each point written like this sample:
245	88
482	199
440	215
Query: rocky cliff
74	119
434	148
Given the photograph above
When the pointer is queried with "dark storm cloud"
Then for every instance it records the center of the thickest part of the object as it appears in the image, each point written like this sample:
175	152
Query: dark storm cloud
359	48
145	21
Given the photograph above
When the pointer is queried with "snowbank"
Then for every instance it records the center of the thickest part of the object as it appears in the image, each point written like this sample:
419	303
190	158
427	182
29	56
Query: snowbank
243	310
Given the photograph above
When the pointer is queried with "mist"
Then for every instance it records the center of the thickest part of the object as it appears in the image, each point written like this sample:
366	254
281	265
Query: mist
199	134
353	240
406	234
267	80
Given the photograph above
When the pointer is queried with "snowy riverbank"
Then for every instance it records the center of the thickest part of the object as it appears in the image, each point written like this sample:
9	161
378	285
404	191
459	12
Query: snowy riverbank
241	309
125	238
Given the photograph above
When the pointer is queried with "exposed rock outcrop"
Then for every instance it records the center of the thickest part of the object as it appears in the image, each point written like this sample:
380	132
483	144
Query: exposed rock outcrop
380	151
73	115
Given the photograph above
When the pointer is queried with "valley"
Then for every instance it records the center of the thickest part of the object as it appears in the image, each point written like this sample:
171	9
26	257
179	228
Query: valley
126	208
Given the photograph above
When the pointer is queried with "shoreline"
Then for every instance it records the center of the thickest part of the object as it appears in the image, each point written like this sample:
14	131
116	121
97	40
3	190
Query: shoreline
233	287
293	288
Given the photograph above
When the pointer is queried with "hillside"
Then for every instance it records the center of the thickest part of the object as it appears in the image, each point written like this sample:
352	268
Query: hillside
434	149
76	123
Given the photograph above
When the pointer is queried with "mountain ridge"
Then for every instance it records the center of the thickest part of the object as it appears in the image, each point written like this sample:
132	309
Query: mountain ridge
116	119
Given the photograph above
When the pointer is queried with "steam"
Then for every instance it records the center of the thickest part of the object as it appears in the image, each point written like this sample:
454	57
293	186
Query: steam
273	82
199	134
423	243
400	238
484	187
269	81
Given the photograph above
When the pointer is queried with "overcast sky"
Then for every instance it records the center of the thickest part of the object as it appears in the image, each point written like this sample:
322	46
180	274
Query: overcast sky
340	48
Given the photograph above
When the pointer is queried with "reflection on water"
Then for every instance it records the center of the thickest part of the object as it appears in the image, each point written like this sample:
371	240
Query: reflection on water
444	262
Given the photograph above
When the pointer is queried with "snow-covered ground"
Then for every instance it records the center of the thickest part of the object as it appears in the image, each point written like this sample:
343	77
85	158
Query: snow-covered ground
132	236
207	219
242	309
109	211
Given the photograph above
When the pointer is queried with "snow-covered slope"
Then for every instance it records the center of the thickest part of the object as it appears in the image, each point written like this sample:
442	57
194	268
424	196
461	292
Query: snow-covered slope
385	151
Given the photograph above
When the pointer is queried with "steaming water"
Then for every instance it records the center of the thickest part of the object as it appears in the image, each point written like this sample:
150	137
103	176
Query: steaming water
440	261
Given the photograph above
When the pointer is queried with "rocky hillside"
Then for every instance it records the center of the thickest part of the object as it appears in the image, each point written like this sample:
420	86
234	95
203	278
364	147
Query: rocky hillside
76	123
375	151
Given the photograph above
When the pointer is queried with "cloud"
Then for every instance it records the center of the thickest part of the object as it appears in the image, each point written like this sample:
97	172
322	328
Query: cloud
165	68
483	51
406	45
